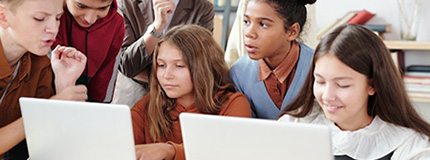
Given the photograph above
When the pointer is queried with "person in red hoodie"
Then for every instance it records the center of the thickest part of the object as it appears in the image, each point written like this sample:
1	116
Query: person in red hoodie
95	28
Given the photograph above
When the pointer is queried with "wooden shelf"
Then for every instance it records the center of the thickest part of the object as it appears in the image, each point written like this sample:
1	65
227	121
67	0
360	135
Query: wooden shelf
407	45
419	99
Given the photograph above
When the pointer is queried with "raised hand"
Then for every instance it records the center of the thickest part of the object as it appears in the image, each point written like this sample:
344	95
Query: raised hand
67	64
162	10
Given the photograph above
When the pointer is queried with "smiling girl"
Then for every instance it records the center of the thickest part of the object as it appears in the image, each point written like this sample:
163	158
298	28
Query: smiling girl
362	98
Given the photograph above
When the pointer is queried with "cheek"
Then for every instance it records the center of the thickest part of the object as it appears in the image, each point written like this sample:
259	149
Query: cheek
318	90
103	14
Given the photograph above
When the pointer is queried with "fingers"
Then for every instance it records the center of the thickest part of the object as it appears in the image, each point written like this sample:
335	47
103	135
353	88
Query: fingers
164	6
68	52
56	53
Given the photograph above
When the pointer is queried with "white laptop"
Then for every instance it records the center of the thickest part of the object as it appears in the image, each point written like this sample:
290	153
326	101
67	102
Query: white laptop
212	137
68	130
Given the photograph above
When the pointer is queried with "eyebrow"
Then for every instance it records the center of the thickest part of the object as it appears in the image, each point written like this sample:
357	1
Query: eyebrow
261	18
92	7
47	14
336	78
175	60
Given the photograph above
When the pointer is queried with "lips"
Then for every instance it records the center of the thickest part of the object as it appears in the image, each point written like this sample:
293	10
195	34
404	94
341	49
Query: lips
250	48
169	86
49	42
332	108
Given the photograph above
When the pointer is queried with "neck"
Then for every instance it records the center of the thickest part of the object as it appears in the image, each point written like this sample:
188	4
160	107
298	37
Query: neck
12	50
279	56
356	125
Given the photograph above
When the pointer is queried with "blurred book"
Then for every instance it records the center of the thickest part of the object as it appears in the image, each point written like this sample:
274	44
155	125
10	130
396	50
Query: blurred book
380	28
418	68
417	74
338	22
361	17
399	60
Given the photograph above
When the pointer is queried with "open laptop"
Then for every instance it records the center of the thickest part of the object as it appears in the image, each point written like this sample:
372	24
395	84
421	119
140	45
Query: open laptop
212	137
68	130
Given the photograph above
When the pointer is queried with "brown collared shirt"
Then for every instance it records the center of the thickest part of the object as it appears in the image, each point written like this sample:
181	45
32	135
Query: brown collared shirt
34	79
278	80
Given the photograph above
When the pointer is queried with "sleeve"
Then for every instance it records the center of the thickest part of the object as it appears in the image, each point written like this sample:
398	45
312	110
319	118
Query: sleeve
138	120
238	106
133	56
417	147
208	14
44	86
179	150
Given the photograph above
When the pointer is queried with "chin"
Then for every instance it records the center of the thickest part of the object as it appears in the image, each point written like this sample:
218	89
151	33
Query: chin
40	52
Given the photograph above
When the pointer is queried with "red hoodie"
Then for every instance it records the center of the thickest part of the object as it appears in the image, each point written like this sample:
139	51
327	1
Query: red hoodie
101	44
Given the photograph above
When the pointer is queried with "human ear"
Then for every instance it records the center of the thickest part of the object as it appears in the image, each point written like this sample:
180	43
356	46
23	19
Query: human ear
371	91
293	31
3	21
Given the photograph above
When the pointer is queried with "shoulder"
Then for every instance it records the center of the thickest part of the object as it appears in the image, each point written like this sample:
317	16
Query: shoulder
140	105
203	4
236	105
306	51
415	146
244	63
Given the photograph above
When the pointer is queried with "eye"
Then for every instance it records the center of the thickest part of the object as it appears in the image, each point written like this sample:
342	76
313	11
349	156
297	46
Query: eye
38	19
103	8
81	6
245	21
58	18
161	65
319	82
343	86
264	25
180	66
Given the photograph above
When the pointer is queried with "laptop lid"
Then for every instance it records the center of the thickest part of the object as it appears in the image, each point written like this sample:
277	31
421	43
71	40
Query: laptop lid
212	137
69	130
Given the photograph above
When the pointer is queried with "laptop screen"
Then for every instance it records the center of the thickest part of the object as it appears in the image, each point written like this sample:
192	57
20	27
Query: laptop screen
69	130
212	137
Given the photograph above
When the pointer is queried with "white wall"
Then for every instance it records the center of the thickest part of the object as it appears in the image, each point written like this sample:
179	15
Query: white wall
387	12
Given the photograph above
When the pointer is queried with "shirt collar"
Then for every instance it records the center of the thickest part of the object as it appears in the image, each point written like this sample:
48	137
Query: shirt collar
5	70
284	69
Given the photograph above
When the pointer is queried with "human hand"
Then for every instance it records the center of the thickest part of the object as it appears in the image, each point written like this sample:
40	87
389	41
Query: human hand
67	65
72	93
155	151
162	10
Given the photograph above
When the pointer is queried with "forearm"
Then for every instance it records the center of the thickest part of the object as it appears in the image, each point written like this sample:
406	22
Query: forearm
11	135
63	82
134	58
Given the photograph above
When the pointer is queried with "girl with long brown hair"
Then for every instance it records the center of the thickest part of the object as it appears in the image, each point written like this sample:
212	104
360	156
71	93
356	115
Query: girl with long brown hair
362	98
189	75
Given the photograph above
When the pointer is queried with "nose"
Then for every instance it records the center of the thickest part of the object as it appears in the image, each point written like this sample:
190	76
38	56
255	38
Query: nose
168	73
52	26
249	31
91	16
328	94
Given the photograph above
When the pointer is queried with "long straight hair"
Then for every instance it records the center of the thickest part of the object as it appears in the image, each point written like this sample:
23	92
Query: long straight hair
209	74
363	51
